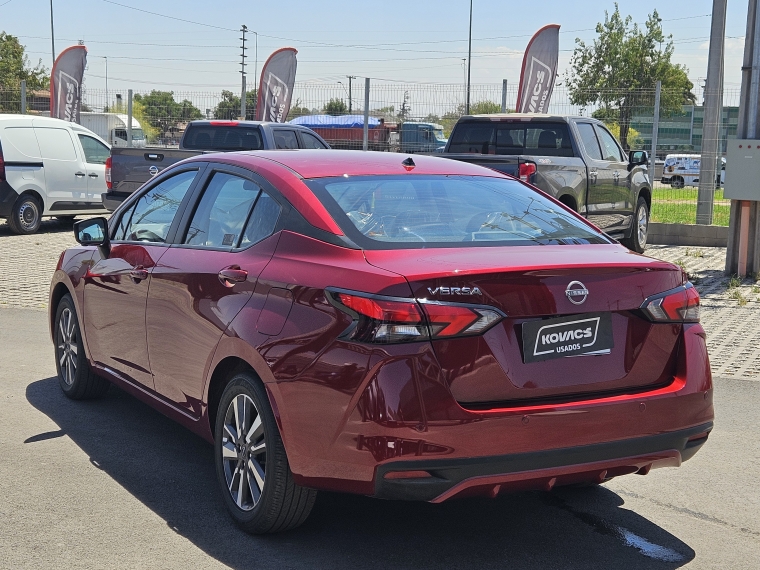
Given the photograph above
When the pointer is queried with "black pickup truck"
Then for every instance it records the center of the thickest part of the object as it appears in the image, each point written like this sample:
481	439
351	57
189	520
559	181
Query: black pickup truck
574	159
129	168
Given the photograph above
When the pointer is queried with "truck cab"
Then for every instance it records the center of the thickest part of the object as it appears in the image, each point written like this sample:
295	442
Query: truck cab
421	137
112	127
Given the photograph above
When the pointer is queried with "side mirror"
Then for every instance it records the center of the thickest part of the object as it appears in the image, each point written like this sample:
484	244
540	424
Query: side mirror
93	232
636	157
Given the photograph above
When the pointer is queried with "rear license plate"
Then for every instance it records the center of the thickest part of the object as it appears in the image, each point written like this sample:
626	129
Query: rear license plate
566	336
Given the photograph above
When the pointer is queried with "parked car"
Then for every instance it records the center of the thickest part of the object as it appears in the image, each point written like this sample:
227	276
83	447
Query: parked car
48	167
574	159
130	168
112	127
373	324
682	170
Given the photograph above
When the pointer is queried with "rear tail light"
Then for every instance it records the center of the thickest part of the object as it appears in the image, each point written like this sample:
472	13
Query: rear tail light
392	319
679	305
526	170
109	185
2	165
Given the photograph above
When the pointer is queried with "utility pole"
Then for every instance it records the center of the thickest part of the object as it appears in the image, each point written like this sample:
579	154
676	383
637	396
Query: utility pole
243	29
350	77
713	115
52	32
469	64
108	104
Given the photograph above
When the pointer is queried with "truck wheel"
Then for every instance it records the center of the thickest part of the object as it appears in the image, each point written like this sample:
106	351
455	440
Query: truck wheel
26	215
677	182
638	239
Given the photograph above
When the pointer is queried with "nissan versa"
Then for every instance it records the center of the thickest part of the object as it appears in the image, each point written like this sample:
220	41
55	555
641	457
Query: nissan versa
375	324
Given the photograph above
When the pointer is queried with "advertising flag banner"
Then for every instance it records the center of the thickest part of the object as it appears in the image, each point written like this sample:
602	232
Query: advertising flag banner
276	87
66	83
539	70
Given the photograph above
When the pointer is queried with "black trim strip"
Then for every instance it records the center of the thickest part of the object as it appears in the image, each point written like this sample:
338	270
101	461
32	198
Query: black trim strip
57	206
22	163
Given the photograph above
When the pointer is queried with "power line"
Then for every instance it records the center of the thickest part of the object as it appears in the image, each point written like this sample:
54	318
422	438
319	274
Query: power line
169	17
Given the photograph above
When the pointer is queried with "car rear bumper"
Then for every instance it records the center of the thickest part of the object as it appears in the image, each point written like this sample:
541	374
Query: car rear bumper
439	480
112	200
8	197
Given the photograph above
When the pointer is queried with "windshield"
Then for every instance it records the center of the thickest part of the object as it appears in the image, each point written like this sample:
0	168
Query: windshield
413	211
138	135
439	135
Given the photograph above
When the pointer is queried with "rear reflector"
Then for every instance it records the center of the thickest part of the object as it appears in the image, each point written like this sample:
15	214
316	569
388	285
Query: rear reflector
526	170
679	305
109	184
407	475
392	319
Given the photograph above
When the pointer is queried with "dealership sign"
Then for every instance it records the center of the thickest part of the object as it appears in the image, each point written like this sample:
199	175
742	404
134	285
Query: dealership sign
66	83
276	87
539	70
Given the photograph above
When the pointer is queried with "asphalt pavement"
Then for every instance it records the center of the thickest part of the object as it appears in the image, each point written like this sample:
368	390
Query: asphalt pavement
114	484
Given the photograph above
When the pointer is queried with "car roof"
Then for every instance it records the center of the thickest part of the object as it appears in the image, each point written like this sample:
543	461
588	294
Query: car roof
235	123
309	163
525	117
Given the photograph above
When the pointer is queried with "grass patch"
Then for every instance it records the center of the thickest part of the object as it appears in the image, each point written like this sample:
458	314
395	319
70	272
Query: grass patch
737	295
676	213
734	282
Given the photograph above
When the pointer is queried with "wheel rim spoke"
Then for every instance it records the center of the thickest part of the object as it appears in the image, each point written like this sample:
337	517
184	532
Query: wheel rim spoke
257	429
229	452
255	481
243	451
241	487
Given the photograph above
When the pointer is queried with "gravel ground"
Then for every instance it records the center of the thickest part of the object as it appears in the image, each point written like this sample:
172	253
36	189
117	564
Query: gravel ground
730	308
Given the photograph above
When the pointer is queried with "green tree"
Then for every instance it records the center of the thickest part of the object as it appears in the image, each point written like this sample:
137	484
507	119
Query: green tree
335	107
15	67
229	107
485	108
619	70
163	112
297	110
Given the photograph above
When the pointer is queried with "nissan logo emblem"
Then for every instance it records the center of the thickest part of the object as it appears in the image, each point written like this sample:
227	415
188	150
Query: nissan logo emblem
576	292
153	170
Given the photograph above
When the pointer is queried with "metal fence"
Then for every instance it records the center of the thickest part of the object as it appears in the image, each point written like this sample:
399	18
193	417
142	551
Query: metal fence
162	117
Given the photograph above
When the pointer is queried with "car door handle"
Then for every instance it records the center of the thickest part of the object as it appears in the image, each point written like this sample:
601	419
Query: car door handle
93	175
138	273
231	275
79	174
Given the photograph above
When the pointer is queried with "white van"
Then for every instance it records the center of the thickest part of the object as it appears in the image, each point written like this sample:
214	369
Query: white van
49	167
682	170
112	127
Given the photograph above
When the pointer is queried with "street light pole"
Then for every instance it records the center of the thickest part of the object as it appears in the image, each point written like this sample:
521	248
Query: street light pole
52	32
469	63
107	101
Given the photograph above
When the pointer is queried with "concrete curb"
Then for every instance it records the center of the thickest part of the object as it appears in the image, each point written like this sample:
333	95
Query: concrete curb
687	234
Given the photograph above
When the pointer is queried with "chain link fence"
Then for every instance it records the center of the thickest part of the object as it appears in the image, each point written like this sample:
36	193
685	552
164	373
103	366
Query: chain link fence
160	118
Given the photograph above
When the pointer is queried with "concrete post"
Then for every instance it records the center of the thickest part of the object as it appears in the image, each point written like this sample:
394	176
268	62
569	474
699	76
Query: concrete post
655	131
713	112
23	97
365	136
504	96
129	117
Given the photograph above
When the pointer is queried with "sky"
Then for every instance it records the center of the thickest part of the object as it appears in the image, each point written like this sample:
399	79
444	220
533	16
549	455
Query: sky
413	41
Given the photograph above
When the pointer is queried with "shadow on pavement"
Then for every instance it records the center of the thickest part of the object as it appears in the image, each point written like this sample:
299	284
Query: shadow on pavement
48	226
171	471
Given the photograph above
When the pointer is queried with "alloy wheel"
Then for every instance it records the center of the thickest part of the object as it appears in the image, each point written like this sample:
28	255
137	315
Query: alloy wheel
244	452
67	346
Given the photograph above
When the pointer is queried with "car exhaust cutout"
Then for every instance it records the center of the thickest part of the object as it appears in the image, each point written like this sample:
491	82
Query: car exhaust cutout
384	320
679	305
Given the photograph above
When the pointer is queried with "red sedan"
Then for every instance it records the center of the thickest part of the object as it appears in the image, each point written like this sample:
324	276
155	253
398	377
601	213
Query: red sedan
375	324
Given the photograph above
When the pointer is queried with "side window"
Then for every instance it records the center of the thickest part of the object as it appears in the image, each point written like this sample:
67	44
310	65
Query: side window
120	134
221	214
310	141
152	215
610	149
262	222
590	143
95	152
55	144
285	139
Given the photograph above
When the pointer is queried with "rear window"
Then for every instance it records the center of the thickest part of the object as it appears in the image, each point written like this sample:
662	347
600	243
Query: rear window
421	211
214	137
545	139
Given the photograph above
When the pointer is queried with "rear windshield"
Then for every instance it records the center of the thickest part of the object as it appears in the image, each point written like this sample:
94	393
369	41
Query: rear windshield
419	211
545	139
214	137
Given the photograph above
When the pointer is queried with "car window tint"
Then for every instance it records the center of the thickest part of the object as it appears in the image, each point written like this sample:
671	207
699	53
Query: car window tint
219	218
262	221
440	211
95	152
121	229
512	138
285	139
154	212
590	143
310	141
55	144
610	149
218	137
473	137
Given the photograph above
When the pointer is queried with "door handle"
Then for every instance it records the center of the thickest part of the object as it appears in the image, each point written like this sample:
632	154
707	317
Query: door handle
79	174
138	273
231	275
93	175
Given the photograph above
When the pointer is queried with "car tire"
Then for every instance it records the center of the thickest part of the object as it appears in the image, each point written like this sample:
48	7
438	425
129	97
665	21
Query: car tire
677	182
26	215
259	505
640	230
76	377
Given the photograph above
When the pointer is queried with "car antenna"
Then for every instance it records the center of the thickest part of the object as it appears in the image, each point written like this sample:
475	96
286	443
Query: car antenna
408	164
